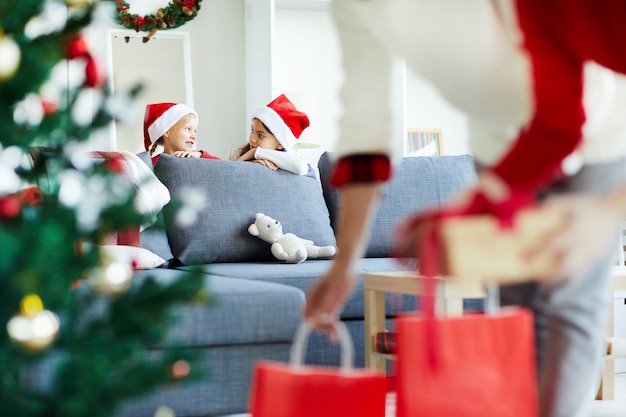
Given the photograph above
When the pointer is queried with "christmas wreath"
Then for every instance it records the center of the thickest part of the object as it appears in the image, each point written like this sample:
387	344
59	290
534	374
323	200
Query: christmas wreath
175	14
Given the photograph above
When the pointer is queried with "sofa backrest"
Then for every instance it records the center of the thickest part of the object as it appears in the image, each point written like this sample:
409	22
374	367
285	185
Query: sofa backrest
418	184
231	193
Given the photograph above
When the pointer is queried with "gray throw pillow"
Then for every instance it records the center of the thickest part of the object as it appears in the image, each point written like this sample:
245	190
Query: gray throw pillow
231	194
418	184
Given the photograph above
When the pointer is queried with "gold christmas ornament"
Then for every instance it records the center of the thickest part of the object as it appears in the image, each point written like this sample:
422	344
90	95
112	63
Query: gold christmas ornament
77	3
164	411
34	328
112	278
10	56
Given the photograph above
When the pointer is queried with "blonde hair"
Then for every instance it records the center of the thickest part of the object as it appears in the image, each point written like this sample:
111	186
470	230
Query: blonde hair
181	121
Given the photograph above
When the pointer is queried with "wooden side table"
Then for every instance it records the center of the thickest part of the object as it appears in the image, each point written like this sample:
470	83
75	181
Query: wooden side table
615	346
451	293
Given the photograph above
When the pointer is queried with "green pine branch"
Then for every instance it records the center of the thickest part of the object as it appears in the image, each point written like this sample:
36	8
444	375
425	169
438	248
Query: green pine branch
109	349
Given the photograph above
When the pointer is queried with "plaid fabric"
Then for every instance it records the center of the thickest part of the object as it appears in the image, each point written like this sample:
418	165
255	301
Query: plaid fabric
130	235
363	168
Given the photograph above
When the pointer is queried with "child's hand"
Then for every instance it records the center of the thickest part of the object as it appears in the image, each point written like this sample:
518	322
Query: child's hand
267	163
188	154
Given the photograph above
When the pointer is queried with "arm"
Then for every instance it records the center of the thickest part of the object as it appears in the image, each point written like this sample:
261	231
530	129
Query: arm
328	295
363	148
365	125
289	161
194	154
556	128
234	153
205	155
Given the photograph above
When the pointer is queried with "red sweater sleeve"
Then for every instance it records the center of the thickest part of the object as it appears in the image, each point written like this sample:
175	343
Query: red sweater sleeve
560	35
556	127
207	155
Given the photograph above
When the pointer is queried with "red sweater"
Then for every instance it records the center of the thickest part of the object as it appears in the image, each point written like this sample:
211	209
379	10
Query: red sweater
204	155
560	35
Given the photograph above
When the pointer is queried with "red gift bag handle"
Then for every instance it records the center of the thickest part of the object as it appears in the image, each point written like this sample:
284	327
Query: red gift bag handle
298	349
429	252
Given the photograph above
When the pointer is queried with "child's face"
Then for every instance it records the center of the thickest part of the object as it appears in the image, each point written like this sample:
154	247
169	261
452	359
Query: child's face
260	137
181	136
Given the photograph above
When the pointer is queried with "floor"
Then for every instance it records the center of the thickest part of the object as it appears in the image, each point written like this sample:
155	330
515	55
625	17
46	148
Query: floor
616	407
612	408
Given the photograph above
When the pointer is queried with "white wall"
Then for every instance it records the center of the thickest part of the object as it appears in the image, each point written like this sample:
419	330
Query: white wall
218	61
306	58
425	108
217	38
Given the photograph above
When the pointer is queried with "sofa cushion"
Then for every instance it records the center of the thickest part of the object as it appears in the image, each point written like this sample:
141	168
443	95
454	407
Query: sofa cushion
231	194
303	275
155	240
243	312
418	184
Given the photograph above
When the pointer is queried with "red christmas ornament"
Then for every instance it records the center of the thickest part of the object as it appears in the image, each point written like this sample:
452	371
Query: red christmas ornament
10	207
49	107
77	47
32	196
75	284
92	72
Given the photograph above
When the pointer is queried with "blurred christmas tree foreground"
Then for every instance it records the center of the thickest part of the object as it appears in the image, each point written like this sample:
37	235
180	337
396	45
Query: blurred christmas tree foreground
55	206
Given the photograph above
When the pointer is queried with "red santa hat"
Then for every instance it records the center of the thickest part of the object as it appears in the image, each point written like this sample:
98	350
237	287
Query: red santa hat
284	121
160	117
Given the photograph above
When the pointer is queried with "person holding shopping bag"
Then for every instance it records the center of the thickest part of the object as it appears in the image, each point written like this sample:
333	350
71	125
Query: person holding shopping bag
541	83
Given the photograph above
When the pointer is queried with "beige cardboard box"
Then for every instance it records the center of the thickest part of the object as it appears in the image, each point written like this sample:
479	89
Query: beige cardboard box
477	247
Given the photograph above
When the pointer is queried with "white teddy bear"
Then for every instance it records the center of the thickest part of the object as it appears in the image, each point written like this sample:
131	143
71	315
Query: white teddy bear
286	247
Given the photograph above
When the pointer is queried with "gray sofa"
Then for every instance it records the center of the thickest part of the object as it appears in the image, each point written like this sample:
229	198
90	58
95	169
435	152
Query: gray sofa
259	299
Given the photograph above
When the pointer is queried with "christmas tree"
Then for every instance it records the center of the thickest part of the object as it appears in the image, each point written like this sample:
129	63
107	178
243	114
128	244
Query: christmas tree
77	331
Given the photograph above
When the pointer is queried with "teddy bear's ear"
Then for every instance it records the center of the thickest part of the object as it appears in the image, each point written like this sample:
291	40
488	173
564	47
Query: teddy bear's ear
259	215
253	230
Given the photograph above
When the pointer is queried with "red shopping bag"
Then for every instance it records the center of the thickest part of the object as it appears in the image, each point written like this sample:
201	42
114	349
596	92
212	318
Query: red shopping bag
295	390
478	365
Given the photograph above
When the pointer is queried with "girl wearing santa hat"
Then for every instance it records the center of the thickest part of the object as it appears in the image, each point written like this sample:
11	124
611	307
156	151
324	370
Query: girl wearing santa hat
173	127
274	131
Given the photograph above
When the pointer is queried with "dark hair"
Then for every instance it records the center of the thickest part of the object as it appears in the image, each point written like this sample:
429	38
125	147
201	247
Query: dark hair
245	148
266	128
